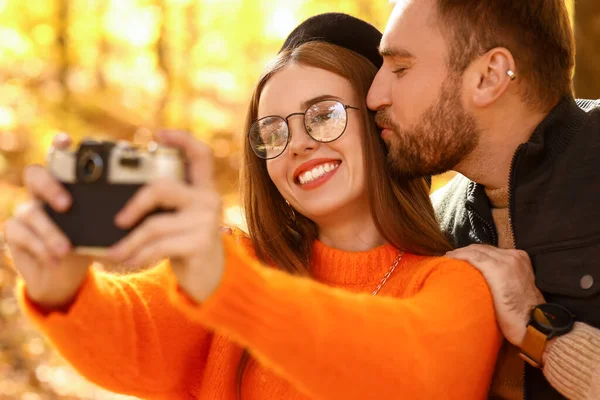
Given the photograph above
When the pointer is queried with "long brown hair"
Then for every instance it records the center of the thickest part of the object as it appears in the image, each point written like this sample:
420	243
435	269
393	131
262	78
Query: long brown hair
401	209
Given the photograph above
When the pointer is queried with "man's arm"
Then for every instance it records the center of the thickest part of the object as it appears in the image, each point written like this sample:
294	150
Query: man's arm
571	362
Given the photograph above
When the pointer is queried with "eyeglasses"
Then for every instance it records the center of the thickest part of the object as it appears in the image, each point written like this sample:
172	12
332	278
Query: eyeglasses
324	121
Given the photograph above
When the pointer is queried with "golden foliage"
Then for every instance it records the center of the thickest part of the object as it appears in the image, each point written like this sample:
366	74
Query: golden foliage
121	69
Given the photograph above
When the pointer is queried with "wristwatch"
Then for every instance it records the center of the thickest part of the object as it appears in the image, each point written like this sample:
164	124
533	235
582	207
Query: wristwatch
547	321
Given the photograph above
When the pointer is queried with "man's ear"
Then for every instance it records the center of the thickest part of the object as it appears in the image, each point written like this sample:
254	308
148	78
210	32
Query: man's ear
489	76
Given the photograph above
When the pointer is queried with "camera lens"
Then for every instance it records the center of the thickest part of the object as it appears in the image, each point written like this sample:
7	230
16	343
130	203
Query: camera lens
90	167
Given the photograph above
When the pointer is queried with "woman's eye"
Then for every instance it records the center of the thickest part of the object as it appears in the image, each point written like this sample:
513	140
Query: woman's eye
321	117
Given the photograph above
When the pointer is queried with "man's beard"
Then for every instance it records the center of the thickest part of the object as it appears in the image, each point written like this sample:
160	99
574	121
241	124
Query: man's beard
444	135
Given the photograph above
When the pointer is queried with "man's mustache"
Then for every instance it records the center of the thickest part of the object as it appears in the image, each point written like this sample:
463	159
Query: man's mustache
383	120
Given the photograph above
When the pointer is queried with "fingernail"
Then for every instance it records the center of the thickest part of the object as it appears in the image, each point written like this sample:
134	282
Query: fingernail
120	220
62	201
62	137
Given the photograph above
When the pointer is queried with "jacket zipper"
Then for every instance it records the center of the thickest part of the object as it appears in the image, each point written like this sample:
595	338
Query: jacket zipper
489	227
511	189
511	207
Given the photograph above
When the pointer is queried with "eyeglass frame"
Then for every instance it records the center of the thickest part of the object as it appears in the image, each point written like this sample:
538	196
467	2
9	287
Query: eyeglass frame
289	136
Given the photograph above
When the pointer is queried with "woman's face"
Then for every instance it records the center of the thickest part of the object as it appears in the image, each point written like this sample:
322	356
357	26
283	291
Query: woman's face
323	181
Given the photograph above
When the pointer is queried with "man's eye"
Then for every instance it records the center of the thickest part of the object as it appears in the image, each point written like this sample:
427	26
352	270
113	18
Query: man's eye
399	71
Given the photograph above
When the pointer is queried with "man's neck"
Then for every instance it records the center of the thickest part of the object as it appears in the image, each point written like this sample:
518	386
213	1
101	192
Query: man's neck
490	163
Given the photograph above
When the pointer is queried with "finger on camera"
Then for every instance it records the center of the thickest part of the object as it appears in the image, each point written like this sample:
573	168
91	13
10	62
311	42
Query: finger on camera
152	229
43	227
198	154
43	186
20	238
176	247
160	194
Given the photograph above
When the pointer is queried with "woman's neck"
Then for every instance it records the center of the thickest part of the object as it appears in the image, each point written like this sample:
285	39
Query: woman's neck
351	234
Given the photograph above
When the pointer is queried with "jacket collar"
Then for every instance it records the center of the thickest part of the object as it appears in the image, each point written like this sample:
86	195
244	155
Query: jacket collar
554	133
548	140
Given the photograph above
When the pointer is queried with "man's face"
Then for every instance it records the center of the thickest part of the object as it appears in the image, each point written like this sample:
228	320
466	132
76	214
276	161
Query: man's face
417	99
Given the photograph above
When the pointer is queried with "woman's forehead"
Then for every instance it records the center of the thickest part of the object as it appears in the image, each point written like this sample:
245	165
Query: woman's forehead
288	89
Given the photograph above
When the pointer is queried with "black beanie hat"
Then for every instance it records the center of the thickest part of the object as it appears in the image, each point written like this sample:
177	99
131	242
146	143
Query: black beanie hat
339	29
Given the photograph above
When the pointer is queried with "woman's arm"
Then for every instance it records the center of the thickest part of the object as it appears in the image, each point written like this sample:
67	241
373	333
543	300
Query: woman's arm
441	343
123	333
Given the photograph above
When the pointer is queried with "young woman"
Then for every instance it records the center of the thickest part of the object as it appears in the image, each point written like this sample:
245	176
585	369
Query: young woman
353	303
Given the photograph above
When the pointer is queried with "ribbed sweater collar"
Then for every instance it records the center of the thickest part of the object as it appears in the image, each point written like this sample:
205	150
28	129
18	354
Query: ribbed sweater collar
340	268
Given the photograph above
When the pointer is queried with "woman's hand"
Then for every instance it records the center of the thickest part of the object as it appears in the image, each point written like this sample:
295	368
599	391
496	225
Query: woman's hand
189	235
41	253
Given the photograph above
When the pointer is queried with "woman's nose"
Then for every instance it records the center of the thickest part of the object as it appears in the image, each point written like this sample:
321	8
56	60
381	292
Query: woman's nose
300	141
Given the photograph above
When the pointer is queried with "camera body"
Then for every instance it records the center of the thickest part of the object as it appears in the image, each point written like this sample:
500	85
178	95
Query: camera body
101	178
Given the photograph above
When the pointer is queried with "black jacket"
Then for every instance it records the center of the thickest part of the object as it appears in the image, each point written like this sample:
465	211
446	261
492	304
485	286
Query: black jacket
554	209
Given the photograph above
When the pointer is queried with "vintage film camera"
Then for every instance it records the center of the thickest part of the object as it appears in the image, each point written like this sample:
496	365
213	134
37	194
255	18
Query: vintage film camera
101	177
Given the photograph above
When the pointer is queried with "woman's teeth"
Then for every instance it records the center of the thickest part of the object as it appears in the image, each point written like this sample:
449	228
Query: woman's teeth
316	172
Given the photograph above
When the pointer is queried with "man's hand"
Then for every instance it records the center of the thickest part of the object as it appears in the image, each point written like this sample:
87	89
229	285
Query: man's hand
509	275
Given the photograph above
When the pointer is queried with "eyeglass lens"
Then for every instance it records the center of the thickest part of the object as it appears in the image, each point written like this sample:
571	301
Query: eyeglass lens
325	121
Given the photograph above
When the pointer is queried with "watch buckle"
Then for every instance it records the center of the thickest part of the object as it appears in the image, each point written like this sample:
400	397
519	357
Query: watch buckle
529	360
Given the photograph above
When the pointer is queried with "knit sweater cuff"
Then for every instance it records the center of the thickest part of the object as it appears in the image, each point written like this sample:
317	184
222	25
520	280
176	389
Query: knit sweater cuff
77	312
573	363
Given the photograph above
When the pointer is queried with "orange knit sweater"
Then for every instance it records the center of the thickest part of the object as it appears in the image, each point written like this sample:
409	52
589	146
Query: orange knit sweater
430	333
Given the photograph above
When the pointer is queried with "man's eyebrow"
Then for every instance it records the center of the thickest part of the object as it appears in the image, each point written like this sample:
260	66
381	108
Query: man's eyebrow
394	52
310	102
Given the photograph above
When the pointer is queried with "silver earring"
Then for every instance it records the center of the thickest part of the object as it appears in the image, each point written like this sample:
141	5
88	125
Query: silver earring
511	74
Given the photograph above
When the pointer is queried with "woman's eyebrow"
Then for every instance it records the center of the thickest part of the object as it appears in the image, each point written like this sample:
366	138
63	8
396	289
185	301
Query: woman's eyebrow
311	101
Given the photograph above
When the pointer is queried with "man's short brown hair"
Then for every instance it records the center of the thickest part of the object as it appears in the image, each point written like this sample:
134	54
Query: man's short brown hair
538	33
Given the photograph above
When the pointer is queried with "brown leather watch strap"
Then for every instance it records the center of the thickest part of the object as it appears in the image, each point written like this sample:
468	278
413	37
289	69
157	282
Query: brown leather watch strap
533	346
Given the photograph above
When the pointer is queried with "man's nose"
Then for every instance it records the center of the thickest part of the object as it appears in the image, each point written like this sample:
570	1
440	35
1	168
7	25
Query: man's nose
379	93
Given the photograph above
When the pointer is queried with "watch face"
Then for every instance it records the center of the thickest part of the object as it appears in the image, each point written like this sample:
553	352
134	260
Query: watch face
549	317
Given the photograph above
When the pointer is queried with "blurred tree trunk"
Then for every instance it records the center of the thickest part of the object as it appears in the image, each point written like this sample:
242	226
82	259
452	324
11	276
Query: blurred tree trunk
162	51
62	43
587	35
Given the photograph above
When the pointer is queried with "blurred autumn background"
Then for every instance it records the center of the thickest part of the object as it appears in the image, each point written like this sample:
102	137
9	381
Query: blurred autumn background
121	69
